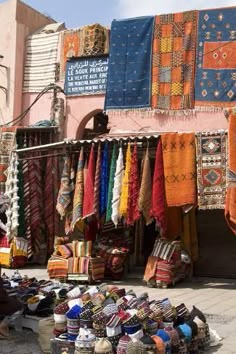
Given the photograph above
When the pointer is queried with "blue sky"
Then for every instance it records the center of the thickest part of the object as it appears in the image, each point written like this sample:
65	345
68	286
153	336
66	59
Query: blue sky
76	13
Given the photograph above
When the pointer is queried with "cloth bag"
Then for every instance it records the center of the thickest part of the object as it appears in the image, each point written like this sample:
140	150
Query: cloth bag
45	334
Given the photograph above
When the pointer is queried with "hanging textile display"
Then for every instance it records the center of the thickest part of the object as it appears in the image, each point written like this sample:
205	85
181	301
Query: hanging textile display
230	204
179	158
125	184
173	61
97	184
104	180
129	68
211	170
115	216
50	192
64	195
158	209
12	193
145	193
88	203
111	182
7	144
69	211
41	68
133	212
94	40
38	235
19	252
69	48
231	176
215	59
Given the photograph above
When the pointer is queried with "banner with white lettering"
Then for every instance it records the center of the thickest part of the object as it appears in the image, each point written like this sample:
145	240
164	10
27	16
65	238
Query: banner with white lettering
86	76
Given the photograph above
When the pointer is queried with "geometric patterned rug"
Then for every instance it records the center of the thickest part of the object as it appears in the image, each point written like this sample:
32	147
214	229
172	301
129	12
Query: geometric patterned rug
211	169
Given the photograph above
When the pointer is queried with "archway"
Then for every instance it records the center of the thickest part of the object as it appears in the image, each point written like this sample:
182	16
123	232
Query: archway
84	121
98	127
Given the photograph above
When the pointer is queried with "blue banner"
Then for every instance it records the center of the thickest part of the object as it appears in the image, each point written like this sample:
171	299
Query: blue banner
86	76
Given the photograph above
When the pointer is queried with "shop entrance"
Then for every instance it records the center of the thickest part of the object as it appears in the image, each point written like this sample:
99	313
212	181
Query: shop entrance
217	246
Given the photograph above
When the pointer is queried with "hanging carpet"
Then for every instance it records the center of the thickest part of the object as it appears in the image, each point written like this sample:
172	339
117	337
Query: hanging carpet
173	61
133	212
97	184
7	144
64	194
70	43
111	183
158	210
94	40
179	168
125	184
230	205
211	170
104	180
88	203
115	216
215	59
79	190
129	68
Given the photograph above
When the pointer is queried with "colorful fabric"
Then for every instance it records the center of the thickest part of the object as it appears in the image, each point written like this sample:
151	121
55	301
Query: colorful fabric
19	252
231	178
173	61
215	59
145	193
158	210
94	40
69	210
79	190
165	272
64	250
230	205
7	144
111	183
150	269
70	44
82	248
211	170
97	268
64	194
41	68
50	192
129	68
125	184
133	212
97	184
115	216
179	160
83	265
104	180
88	203
57	267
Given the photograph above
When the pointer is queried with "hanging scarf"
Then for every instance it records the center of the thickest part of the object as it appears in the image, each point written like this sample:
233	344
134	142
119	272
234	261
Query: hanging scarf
104	180
89	186
145	193
158	209
79	190
64	195
133	213
97	183
111	183
117	188
125	184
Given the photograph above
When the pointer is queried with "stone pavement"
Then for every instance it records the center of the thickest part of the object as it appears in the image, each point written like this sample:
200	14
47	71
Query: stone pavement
215	297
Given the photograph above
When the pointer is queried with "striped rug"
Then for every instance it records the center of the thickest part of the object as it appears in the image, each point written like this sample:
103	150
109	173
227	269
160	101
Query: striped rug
41	66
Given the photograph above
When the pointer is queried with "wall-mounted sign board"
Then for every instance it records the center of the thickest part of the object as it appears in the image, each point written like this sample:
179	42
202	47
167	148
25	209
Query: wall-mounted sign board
86	76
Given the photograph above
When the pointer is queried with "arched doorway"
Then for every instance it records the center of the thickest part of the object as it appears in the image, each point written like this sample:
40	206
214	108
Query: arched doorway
92	125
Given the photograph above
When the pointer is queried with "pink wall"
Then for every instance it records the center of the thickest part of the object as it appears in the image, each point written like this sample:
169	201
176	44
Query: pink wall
17	21
80	109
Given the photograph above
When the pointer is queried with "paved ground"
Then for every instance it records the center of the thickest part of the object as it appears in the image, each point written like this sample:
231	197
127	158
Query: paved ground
216	298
